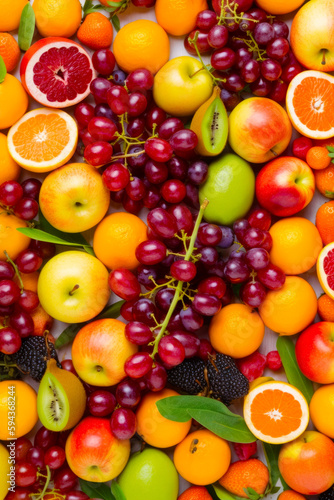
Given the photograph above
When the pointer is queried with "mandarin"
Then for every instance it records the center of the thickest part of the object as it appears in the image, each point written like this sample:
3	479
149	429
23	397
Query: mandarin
13	101
324	181
11	240
326	308
290	495
9	51
325	222
9	169
11	11
245	474
317	157
178	17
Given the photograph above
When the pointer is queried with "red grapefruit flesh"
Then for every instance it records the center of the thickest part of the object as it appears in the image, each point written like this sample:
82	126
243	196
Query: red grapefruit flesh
57	72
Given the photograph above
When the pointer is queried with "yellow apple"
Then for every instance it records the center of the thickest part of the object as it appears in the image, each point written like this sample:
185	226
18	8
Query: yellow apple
73	198
73	287
181	86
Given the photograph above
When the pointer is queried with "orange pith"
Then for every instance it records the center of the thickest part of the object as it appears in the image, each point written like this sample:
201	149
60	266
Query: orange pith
313	102
41	138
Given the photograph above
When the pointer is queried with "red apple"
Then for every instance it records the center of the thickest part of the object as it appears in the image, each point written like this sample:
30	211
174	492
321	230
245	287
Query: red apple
307	463
315	352
259	129
93	453
285	186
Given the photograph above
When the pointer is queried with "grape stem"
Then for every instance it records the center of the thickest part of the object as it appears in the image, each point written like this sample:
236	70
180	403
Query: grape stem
47	481
17	272
179	286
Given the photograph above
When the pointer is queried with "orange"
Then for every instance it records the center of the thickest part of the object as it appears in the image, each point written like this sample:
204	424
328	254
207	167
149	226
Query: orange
326	308
236	330
325	222
324	181
279	6
141	44
290	309
202	457
96	31
9	51
296	245
116	239
310	104
322	410
195	493
178	17
290	495
57	17
11	11
29	281
19	397
43	139
9	169
317	157
11	240
325	269
276	412
13	101
245	474
155	429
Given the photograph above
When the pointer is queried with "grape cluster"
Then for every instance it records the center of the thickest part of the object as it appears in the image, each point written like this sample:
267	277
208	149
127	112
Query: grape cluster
17	303
148	157
249	50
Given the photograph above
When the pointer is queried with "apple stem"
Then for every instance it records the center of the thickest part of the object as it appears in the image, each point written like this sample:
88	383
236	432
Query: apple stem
273	152
74	289
323	56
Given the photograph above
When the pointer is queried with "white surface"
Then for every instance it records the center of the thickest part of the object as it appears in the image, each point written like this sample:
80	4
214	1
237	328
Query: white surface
309	212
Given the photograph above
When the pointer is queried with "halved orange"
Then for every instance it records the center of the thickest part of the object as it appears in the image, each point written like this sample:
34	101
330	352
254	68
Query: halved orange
310	104
43	139
276	412
325	269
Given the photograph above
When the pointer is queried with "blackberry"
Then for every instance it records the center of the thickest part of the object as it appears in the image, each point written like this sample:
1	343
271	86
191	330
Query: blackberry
226	381
188	376
328	494
32	356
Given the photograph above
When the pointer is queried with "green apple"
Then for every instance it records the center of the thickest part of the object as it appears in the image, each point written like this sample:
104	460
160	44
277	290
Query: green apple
182	85
73	287
73	198
229	188
149	475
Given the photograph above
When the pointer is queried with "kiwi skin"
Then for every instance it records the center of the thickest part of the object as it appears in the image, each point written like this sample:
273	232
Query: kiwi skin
210	123
61	398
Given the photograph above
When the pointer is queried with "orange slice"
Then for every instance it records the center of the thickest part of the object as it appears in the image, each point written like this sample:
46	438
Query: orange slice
325	269
276	412
310	104
43	139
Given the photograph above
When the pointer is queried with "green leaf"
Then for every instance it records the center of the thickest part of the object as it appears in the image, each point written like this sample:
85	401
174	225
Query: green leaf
271	452
329	194
116	491
27	27
286	349
252	494
70	332
3	70
330	149
45	225
210	413
115	22
39	235
96	490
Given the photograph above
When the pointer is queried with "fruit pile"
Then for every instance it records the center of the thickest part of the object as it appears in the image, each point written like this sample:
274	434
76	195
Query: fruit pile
150	234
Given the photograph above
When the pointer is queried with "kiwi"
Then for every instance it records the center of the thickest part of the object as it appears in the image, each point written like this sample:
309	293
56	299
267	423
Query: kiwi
210	123
61	398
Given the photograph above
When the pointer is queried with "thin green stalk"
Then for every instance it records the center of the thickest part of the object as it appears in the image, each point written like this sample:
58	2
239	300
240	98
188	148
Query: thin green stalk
17	272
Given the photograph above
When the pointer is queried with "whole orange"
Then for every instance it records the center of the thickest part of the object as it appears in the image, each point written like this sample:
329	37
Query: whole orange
21	396
290	495
155	429
9	169
245	474
141	44
322	409
325	222
11	240
96	31
290	309
9	51
279	6
178	17
195	493
57	17
116	239
11	11
326	308
296	245
202	457
236	330
324	181
13	101
317	157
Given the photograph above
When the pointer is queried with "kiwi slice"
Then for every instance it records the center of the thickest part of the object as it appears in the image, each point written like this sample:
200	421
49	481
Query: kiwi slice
210	123
61	398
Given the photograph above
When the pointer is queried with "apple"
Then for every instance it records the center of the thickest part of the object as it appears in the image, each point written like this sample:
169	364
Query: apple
315	352
73	287
93	453
181	86
285	186
307	463
259	129
311	38
73	198
100	350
